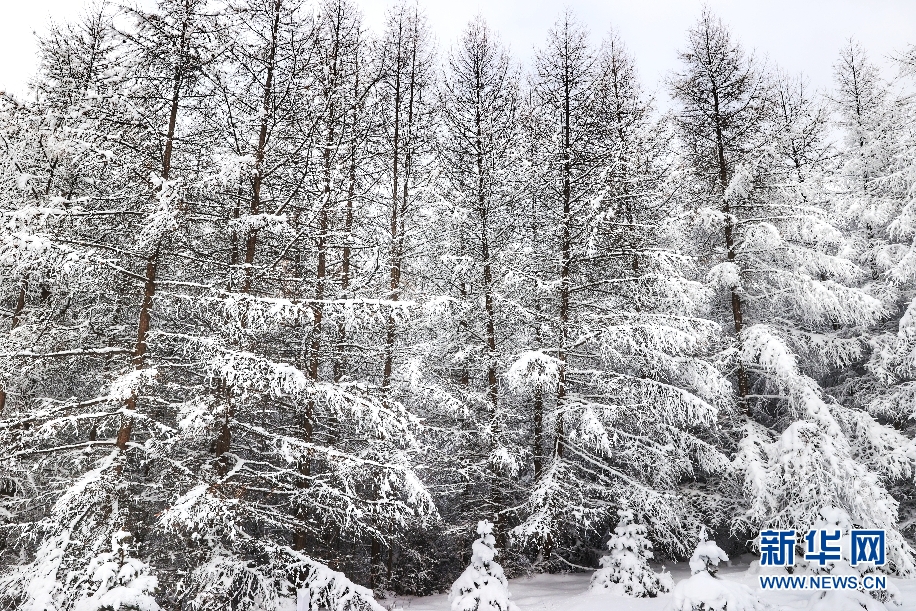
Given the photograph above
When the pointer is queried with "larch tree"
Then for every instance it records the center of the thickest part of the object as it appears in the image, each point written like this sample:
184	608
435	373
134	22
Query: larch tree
303	463
628	369
479	152
402	156
174	451
783	279
117	209
874	178
287	306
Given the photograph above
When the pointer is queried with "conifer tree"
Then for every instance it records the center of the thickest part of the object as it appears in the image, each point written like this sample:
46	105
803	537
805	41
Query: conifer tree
833	520
622	335
285	306
705	591
626	569
482	586
193	466
273	407
113	218
478	151
785	282
873	180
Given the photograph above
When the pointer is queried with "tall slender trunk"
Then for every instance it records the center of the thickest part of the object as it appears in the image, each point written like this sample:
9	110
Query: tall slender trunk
340	362
538	416
737	309
251	239
538	398
538	441
464	375
152	263
375	559
399	206
234	238
565	256
394	251
489	308
18	308
140	348
321	269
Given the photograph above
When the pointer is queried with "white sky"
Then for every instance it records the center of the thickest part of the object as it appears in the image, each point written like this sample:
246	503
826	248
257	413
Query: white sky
798	35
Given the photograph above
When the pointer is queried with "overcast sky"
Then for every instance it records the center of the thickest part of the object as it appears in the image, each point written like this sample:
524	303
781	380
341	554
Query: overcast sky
798	35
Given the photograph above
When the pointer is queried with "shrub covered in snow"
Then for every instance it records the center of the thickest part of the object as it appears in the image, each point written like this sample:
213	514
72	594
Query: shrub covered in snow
483	585
119	580
703	591
626	569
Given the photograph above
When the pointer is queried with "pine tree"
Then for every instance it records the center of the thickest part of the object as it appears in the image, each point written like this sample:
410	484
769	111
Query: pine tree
626	569
482	586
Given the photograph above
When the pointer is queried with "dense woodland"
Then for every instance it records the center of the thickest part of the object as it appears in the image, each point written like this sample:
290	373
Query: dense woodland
288	306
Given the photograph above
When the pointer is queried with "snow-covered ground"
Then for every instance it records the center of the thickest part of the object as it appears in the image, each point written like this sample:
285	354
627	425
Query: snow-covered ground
570	593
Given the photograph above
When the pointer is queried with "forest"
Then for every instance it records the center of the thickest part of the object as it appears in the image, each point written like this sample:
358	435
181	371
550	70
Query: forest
289	306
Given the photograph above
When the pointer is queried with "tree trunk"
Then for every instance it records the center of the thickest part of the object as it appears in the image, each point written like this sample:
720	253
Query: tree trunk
489	308
251	239
375	564
538	441
737	311
152	263
394	260
340	362
17	319
19	307
565	263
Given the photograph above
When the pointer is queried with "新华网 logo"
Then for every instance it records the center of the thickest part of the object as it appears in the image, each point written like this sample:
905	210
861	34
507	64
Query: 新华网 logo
777	548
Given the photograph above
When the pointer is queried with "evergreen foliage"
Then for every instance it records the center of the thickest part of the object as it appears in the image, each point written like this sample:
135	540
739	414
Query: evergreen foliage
626	569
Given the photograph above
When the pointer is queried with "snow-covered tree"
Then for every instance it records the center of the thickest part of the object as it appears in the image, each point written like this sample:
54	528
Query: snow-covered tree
118	580
286	304
213	373
278	403
478	151
100	209
626	569
620	357
869	182
482	586
788	288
